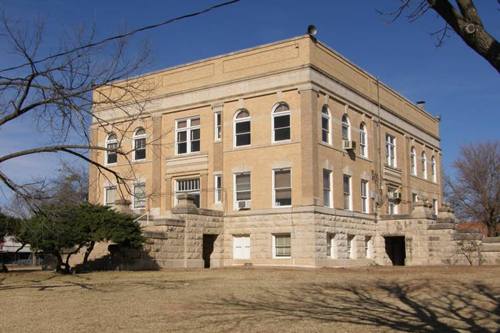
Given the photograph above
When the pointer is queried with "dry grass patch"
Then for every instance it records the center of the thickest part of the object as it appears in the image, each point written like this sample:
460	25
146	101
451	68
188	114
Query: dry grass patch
380	299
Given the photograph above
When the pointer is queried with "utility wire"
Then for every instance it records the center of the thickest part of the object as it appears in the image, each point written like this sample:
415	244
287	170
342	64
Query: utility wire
120	36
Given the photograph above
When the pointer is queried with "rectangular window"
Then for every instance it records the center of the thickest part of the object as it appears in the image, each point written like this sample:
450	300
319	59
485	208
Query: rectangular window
218	188
110	195
188	186
282	188
435	206
282	246
390	150
139	195
347	192
218	126
363	150
364	196
111	155
242	189
281	121
187	138
351	250
140	149
332	245
327	188
392	205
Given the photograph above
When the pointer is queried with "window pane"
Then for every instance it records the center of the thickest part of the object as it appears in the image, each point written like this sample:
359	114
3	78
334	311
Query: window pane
282	121
140	154
324	136
182	124
282	178
243	127
243	139
243	195
282	134
324	123
181	136
242	114
195	122
242	182
182	148
195	134
195	146
281	107
346	184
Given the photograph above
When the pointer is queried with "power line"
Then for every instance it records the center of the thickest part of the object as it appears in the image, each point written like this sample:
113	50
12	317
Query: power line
120	36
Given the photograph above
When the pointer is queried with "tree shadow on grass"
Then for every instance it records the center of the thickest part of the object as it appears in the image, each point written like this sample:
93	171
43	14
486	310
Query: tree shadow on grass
419	306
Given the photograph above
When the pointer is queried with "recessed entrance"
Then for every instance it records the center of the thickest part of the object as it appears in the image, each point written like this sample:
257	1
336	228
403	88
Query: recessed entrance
395	249
208	248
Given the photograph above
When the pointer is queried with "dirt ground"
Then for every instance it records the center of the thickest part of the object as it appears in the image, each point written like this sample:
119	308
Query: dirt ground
377	299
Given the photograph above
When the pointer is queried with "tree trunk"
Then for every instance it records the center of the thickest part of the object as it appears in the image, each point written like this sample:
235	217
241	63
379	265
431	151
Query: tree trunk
87	253
61	267
492	230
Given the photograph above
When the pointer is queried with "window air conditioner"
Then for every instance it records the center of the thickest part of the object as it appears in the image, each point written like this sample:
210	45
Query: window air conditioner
244	204
348	144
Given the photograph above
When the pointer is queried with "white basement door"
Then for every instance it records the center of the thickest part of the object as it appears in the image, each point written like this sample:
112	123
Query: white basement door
241	247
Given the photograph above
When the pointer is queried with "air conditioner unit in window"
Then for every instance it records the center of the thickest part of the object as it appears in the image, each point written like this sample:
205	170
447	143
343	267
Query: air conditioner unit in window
348	145
394	195
244	204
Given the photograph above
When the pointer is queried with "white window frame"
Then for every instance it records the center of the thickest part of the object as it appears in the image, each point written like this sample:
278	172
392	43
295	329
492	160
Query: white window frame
365	197
134	199
241	120
235	190
110	141
433	169
188	191
284	188
392	207
217	190
275	114
274	245
188	129
217	126
134	141
329	189
363	141
350	191
328	130
346	125
424	165
413	161
106	189
390	151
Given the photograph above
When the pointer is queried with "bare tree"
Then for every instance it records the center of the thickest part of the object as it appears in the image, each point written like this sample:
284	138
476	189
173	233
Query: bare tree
59	94
459	15
475	191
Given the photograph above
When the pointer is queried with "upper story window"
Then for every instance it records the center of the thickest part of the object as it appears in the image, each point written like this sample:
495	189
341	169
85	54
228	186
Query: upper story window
363	140
346	128
365	204
109	195
424	165
111	147
326	125
218	188
242	128
187	135
392	203
282	188
139	144
281	122
218	126
347	192
433	169
139	195
242	190
413	161
390	150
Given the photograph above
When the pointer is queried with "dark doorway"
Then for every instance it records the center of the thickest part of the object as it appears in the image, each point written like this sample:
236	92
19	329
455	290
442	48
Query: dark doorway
395	249
208	248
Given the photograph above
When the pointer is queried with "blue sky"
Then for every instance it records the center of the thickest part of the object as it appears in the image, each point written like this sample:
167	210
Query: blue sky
457	84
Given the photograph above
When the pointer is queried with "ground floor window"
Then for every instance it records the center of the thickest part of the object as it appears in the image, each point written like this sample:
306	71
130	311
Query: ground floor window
369	247
282	246
110	195
351	253
435	206
188	186
332	245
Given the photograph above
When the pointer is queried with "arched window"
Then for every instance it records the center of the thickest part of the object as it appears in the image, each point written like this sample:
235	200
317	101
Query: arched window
424	165
363	140
346	128
111	147
326	125
433	169
413	161
139	144
242	128
281	122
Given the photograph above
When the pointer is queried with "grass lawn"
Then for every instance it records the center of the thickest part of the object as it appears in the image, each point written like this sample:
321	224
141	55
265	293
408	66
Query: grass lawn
377	299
